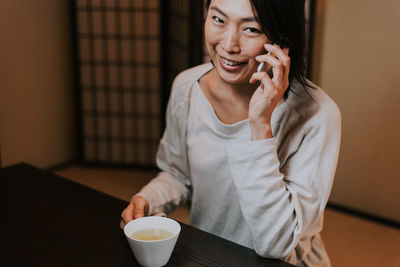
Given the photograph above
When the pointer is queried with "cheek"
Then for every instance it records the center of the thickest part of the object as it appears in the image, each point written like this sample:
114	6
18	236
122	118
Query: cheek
210	34
254	48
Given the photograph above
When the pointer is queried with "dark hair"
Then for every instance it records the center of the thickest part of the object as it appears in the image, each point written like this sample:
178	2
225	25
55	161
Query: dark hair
283	21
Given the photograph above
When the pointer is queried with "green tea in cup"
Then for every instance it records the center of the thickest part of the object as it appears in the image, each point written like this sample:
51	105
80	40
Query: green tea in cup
151	234
152	239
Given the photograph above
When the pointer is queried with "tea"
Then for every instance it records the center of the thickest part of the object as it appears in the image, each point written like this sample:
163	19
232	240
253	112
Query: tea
151	234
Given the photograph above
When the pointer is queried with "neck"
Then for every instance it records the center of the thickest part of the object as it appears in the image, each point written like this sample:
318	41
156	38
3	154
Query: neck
242	91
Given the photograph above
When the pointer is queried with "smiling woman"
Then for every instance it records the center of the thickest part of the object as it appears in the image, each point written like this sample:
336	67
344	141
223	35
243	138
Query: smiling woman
285	28
254	152
234	38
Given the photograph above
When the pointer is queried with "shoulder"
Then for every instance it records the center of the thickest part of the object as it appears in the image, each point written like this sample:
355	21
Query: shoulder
184	81
191	75
316	108
182	86
328	110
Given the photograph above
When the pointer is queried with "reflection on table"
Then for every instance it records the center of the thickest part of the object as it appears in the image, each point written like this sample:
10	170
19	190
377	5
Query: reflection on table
51	221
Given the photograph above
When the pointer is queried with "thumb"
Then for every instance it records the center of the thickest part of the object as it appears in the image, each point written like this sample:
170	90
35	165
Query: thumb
140	206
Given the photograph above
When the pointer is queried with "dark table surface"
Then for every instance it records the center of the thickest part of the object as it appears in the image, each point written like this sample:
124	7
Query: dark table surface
51	221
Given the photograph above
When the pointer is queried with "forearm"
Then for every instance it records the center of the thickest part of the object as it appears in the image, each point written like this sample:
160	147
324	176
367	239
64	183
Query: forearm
164	193
266	202
281	210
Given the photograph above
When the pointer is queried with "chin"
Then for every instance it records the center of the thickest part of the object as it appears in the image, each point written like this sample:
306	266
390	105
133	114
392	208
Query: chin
232	78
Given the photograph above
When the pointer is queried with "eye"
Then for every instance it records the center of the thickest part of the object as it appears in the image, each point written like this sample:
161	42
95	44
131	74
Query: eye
252	30
217	19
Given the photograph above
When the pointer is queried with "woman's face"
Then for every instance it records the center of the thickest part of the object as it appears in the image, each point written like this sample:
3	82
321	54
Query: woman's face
233	38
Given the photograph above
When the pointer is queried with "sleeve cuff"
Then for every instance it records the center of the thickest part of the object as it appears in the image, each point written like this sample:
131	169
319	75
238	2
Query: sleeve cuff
252	148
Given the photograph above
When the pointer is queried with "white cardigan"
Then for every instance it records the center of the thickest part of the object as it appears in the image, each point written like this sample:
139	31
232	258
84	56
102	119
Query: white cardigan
268	195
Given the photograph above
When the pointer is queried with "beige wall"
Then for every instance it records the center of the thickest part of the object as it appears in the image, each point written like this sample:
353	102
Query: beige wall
357	61
36	100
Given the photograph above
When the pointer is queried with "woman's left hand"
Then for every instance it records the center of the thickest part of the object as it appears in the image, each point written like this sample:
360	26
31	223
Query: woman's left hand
267	96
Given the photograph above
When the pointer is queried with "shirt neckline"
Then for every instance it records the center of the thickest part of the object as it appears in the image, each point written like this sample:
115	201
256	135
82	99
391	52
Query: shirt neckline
232	125
212	111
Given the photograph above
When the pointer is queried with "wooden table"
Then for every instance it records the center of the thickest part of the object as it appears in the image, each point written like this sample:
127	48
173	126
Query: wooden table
50	221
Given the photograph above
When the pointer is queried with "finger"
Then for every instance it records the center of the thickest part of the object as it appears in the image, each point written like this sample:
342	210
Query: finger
262	60
122	224
278	71
127	214
280	63
264	78
269	89
269	58
282	55
140	206
139	212
277	68
277	51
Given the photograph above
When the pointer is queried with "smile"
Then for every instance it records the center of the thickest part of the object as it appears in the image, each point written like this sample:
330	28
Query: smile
229	64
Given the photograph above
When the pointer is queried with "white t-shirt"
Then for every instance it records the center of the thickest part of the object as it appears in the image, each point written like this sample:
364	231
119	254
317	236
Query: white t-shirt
267	195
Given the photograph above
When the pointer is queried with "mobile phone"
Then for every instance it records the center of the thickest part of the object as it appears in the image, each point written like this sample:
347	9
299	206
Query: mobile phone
261	66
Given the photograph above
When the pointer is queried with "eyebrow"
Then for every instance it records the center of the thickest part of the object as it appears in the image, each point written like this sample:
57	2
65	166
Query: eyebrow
249	19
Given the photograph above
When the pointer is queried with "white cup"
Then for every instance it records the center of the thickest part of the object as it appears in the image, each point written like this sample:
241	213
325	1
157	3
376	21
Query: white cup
155	252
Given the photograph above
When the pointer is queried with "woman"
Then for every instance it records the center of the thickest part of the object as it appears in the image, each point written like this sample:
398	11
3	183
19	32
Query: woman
254	152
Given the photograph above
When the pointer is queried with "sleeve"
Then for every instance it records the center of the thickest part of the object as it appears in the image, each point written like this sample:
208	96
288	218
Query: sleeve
282	205
171	187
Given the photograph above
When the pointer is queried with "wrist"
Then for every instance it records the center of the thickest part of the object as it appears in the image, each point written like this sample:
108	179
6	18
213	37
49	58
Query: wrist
260	132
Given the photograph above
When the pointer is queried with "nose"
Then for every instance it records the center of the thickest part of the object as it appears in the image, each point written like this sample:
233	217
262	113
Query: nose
231	41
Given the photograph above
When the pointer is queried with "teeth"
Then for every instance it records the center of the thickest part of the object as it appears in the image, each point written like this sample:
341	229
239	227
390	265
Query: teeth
230	63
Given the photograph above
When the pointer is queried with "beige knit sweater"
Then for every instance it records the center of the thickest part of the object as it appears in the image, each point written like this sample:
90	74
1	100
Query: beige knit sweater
267	195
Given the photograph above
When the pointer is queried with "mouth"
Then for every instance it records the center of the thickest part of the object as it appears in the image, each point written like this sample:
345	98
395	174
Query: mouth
229	64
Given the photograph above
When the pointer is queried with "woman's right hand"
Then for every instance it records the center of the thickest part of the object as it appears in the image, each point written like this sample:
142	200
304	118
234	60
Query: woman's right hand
139	207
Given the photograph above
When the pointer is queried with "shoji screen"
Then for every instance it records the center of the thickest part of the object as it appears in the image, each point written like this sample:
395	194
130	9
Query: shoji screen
128	52
120	81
